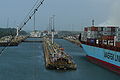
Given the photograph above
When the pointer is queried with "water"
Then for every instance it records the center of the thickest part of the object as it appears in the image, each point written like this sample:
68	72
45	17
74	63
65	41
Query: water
26	62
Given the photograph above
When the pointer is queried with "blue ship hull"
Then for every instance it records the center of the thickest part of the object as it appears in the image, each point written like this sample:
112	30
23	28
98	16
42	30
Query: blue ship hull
104	57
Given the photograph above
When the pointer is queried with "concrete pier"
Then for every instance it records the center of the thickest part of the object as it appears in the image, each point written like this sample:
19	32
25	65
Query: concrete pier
8	41
55	58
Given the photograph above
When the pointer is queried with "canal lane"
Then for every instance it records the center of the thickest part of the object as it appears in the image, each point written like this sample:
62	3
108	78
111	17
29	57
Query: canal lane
26	62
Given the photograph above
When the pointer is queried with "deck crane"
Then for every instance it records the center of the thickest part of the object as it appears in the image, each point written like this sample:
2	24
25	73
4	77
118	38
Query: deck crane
26	20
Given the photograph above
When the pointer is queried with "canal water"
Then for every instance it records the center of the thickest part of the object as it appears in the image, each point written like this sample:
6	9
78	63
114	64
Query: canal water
26	62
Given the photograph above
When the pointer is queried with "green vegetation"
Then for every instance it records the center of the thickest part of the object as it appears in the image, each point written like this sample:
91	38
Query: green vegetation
10	31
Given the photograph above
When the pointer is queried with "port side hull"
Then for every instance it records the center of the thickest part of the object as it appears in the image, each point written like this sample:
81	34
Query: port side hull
106	58
104	64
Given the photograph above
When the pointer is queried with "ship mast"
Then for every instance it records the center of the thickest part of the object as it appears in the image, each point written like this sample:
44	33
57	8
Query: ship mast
93	22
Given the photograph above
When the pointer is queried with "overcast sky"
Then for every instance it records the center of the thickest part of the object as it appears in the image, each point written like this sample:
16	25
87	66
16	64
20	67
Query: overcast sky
70	14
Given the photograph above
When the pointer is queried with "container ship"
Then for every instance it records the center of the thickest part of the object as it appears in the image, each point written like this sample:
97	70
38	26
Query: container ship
102	46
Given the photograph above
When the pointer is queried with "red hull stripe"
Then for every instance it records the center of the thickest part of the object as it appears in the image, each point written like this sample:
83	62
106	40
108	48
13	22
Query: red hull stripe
107	65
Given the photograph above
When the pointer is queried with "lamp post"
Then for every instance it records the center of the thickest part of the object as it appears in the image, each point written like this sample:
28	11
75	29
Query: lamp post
52	30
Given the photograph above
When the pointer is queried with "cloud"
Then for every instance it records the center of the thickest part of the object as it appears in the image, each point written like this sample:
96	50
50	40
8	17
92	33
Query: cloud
114	15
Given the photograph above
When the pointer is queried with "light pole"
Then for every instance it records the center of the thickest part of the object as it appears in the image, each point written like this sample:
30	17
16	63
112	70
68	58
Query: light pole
52	30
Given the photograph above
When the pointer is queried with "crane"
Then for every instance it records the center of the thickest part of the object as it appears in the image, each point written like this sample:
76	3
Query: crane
26	20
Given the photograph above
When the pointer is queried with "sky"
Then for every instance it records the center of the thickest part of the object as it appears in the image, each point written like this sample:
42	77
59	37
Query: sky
69	14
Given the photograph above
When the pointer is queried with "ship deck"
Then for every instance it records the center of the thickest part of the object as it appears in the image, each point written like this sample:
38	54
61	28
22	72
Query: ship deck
109	47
